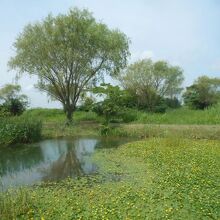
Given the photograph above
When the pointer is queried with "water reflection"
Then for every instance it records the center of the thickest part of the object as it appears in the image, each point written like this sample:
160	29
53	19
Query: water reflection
50	160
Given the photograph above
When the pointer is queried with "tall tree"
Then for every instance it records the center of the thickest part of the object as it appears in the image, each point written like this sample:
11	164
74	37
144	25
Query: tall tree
204	92
69	53
150	81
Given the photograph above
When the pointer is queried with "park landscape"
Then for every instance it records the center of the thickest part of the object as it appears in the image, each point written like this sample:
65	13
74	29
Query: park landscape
153	145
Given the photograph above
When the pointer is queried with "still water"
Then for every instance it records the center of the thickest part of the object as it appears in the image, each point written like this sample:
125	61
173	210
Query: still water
50	160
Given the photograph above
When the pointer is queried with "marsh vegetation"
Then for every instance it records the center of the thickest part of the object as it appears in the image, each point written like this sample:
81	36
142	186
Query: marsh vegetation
145	148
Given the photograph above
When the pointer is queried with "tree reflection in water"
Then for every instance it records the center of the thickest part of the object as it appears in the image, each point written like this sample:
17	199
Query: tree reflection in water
73	162
51	160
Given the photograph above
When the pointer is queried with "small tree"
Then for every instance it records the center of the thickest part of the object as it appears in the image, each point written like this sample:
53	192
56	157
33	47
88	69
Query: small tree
12	101
203	93
112	103
69	53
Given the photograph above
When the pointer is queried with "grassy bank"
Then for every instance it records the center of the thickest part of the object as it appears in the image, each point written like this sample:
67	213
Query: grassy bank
181	116
150	179
21	129
58	116
183	123
211	132
58	130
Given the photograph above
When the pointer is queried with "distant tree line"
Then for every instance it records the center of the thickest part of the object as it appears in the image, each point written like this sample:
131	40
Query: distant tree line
152	87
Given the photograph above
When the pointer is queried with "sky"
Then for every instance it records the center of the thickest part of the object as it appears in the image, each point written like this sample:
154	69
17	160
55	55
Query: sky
183	32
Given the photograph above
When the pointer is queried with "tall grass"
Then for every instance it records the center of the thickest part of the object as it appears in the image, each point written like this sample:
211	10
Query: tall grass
211	132
19	130
182	116
57	115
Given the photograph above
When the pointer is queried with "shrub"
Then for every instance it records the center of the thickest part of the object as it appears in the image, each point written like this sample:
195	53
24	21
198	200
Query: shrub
15	106
98	108
173	103
87	104
105	130
204	93
3	112
19	130
129	115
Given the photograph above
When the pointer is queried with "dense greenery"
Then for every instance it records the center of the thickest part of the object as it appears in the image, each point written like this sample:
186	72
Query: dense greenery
69	53
151	83
115	103
181	122
164	177
19	130
180	116
11	101
153	179
203	93
57	115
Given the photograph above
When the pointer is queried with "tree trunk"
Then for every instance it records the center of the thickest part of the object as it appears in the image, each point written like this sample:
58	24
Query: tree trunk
69	117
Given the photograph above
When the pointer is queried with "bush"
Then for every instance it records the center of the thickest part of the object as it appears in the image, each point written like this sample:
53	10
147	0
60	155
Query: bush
3	112
173	103
87	104
129	115
19	130
15	106
105	130
204	93
98	108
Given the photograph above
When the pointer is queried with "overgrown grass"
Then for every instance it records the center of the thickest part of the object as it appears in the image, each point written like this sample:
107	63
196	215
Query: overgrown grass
181	116
57	115
211	132
183	123
59	130
19	130
210	116
152	179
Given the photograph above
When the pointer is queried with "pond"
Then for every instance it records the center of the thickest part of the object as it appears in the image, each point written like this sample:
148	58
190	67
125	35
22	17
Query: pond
50	160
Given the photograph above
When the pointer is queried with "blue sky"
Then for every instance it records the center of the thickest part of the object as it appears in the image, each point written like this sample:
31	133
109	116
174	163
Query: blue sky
183	32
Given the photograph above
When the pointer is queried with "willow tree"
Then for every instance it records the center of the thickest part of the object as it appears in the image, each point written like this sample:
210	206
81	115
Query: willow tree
149	81
69	53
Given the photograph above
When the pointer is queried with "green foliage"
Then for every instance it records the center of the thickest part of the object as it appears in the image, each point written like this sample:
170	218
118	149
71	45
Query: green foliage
46	114
105	130
151	179
57	115
3	112
13	102
183	115
112	105
172	103
15	106
129	115
19	130
203	93
87	104
209	132
69	53
150	83
9	91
